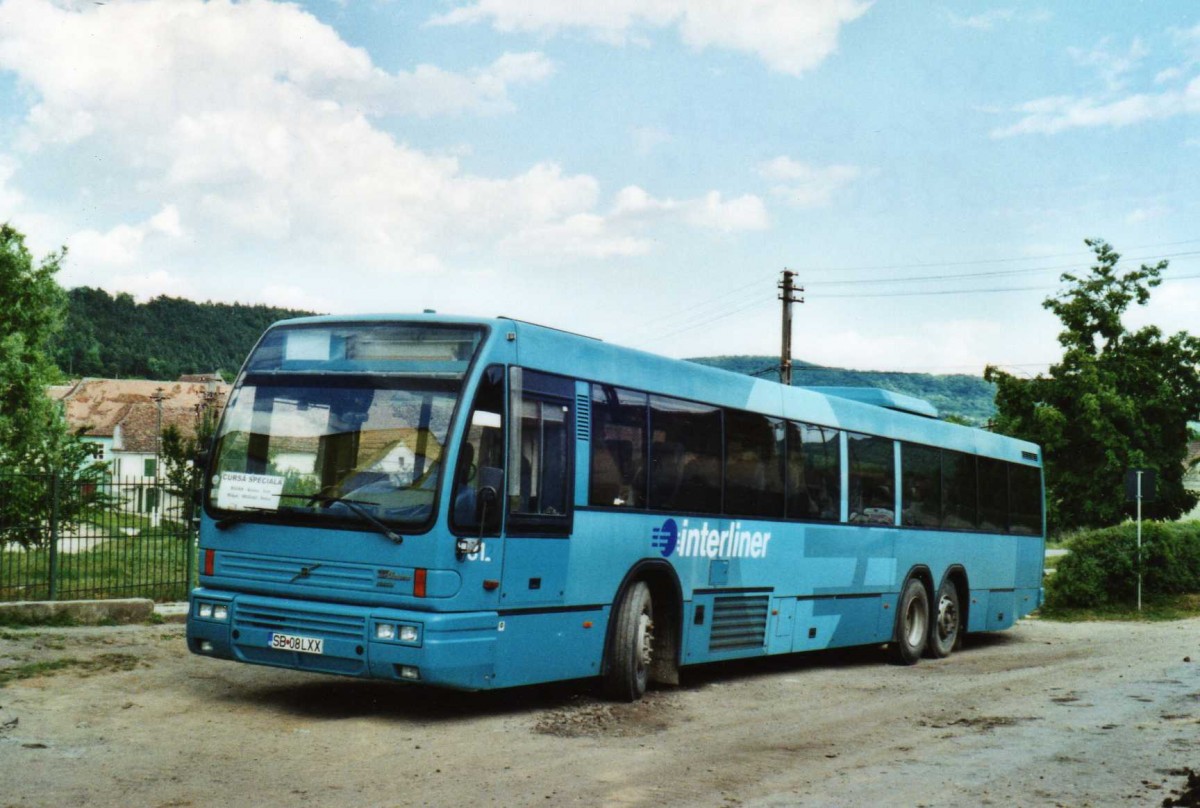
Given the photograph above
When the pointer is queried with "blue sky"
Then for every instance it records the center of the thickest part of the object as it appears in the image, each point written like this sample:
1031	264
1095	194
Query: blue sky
637	170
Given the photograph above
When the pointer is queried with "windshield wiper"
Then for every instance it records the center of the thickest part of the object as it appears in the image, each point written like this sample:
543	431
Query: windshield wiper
356	507
241	515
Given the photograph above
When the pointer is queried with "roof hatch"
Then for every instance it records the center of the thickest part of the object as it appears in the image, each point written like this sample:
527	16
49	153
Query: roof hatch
881	398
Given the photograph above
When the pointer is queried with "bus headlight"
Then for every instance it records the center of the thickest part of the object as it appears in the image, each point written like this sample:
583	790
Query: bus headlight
408	634
204	610
385	631
220	612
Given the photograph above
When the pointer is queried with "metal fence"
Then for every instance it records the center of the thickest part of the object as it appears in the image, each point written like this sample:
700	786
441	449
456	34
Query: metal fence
69	538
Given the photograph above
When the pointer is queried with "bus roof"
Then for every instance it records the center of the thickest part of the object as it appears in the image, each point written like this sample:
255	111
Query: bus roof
864	410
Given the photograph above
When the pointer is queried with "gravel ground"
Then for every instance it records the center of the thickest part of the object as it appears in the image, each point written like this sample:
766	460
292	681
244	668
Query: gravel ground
1046	714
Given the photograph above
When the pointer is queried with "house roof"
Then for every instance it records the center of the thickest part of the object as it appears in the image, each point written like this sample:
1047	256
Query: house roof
126	408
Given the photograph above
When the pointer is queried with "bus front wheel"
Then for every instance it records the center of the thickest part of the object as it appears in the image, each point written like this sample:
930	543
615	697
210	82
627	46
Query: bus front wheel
912	624
632	650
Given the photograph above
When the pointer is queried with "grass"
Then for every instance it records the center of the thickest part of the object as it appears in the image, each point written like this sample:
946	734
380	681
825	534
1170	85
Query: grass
98	664
61	620
151	564
1156	609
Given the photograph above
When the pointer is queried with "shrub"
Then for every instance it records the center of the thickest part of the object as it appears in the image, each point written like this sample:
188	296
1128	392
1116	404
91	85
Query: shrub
1101	568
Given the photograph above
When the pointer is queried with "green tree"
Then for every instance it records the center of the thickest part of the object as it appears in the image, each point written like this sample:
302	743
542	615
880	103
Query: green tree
183	461
34	439
1117	399
31	430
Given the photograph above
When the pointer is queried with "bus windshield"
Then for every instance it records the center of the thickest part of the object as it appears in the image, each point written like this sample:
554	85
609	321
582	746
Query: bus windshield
344	424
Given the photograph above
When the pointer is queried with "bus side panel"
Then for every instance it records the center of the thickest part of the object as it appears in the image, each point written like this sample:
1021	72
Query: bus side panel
548	646
841	622
535	572
977	619
1031	558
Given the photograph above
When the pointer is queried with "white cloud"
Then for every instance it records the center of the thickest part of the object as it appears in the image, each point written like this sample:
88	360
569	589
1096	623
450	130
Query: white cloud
146	285
1146	214
984	21
790	36
10	197
806	185
1168	75
122	244
1052	115
429	91
648	138
253	121
1112	66
746	212
709	212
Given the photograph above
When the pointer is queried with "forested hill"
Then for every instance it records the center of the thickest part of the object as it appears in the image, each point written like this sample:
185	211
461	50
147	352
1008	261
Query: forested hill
116	337
968	397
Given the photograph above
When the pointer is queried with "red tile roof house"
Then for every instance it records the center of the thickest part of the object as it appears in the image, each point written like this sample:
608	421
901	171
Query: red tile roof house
123	417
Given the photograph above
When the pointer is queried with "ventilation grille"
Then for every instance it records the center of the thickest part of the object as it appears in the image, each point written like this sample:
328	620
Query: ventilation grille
738	623
583	417
251	614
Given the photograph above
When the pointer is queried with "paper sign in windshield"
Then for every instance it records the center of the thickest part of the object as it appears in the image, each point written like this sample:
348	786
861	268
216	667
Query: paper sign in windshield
249	492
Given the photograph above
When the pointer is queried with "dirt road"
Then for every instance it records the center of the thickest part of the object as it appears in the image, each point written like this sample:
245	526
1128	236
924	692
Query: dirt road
1045	714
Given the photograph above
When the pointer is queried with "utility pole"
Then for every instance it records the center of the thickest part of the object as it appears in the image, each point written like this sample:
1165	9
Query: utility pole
788	295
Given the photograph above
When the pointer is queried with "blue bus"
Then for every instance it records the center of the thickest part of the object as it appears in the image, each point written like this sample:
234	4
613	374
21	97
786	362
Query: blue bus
478	504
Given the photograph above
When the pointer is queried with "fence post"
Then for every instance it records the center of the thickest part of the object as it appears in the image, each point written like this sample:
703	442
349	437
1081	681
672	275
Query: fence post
54	535
193	534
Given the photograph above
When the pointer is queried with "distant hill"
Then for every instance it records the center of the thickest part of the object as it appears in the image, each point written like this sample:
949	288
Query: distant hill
965	396
117	337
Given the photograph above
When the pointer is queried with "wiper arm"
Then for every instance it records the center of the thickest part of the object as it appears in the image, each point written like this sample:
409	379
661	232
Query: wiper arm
225	522
356	507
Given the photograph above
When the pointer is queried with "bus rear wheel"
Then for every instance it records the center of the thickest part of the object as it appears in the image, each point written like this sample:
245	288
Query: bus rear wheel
912	624
632	652
946	623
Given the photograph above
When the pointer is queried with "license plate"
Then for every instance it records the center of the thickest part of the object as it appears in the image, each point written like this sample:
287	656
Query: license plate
303	645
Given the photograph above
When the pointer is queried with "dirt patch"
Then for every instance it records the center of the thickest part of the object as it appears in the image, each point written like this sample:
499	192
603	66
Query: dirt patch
983	723
150	724
587	717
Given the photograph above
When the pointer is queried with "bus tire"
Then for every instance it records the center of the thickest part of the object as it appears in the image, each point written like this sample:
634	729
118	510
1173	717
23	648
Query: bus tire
945	624
912	624
631	654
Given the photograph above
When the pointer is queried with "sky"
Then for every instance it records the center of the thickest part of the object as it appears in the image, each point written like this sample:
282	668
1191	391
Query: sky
636	170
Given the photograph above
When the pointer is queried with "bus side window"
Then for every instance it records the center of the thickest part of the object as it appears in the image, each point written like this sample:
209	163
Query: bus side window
814	473
872	477
618	477
1025	485
539	453
993	495
960	507
921	481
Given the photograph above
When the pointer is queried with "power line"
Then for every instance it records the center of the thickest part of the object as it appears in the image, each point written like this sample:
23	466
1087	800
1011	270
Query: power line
996	290
988	274
1004	260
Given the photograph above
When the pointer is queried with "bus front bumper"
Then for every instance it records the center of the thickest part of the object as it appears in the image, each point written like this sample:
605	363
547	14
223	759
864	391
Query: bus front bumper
449	650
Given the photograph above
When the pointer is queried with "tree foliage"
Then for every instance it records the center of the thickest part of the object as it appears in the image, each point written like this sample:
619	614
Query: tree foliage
32	433
1117	399
35	443
117	337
